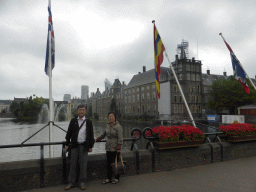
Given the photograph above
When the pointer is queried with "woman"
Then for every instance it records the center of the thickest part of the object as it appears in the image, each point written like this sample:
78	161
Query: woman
114	134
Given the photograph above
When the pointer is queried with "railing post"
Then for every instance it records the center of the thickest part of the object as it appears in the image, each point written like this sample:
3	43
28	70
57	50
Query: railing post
64	165
42	166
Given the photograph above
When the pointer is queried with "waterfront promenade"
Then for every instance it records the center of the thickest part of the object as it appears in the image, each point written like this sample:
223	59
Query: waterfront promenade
228	176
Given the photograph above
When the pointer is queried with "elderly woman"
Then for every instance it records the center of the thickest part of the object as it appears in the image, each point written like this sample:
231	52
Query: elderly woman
114	137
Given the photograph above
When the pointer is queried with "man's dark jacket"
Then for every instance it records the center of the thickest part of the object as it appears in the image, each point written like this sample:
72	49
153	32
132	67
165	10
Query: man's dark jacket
73	130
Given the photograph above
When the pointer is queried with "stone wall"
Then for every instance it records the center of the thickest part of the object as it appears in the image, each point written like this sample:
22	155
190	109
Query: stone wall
24	175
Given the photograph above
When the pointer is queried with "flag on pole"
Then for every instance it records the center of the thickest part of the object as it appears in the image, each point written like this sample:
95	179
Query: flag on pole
50	30
237	68
159	57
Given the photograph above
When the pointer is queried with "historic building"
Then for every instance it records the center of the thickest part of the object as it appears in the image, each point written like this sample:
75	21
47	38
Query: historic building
140	95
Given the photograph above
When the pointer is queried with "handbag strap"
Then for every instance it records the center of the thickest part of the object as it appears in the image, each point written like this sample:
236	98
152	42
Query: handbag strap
120	158
82	124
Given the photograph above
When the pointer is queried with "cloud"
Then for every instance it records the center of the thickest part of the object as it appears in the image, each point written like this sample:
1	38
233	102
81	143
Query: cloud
96	40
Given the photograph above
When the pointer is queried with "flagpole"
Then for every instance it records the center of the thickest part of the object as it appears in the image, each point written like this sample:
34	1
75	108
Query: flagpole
50	94
241	66
178	83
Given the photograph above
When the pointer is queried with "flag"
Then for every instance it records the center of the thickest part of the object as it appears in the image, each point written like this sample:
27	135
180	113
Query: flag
159	57
50	30
237	68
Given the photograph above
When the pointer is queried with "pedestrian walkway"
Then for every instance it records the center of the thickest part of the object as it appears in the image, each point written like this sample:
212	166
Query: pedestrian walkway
228	176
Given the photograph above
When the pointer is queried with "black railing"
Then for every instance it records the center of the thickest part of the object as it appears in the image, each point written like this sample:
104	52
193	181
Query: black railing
135	135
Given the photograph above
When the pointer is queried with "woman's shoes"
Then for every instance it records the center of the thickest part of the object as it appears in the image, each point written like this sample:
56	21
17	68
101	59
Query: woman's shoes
115	181
106	181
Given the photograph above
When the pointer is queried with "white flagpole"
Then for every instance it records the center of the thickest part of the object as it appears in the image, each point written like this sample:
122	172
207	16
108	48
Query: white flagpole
241	66
178	83
50	94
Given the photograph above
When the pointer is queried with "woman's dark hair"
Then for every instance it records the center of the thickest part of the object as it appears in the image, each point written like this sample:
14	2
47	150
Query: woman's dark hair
113	114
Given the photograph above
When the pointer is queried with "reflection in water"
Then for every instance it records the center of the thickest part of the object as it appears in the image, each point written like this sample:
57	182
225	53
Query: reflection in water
12	132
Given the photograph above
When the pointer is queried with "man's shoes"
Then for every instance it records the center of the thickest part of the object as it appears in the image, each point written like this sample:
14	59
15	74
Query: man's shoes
70	185
82	186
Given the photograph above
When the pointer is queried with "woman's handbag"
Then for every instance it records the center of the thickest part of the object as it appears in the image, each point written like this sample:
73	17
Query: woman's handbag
119	167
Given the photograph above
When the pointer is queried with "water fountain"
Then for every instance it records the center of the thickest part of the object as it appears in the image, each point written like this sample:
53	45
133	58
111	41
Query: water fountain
44	115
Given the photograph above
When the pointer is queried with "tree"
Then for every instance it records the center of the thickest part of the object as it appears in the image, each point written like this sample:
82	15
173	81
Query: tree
14	105
28	111
229	94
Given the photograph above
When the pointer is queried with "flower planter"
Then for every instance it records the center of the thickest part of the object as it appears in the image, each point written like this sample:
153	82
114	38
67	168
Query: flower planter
169	145
241	138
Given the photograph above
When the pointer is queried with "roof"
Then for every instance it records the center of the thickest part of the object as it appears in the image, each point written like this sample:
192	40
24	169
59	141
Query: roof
209	79
147	77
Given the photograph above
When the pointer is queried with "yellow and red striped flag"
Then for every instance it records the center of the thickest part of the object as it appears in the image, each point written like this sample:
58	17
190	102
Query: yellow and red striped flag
159	57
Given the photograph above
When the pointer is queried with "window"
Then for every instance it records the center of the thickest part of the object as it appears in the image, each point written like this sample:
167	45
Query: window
133	98
129	90
153	86
188	67
197	68
142	97
138	109
181	108
192	77
154	96
175	99
192	67
148	108
125	108
138	89
174	88
125	99
125	92
175	109
143	109
129	99
133	90
142	88
154	108
133	109
198	89
148	96
188	76
180	99
197	77
147	87
138	97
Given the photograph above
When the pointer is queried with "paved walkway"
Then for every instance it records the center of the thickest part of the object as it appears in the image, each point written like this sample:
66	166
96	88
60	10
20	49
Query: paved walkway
235	175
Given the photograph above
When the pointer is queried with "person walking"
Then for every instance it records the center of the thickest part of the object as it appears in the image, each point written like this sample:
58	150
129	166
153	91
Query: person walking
80	132
114	134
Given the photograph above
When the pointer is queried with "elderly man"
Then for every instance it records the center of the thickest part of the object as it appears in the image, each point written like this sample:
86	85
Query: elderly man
80	132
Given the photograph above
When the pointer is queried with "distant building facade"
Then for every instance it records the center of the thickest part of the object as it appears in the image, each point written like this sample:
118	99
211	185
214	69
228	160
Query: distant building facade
84	92
67	97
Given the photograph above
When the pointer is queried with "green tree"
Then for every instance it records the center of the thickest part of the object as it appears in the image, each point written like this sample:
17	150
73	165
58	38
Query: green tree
229	94
14	105
29	111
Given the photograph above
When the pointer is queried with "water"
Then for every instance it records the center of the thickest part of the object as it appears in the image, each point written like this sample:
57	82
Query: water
13	132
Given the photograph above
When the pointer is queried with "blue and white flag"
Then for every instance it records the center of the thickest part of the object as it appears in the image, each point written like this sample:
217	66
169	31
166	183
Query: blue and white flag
237	69
50	30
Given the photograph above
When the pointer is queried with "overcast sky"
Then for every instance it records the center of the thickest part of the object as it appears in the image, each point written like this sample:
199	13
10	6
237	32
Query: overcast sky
99	39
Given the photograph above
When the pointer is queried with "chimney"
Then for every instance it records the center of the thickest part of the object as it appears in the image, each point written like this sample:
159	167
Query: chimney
98	89
225	73
139	72
208	72
176	57
144	69
123	82
193	59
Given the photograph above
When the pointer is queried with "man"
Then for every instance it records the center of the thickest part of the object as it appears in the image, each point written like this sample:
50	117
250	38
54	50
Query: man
80	132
